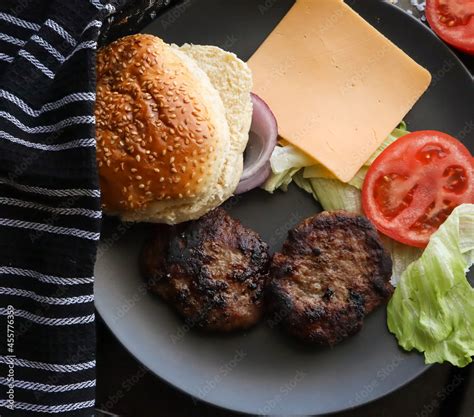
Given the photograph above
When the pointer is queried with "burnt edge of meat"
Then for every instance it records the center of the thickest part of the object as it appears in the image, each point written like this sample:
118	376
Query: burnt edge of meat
321	321
178	267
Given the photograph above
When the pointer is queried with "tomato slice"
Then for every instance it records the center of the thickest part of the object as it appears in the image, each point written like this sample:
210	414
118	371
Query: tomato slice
415	183
453	21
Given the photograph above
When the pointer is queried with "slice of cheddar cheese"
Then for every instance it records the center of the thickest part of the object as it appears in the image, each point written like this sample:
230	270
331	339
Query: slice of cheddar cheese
336	85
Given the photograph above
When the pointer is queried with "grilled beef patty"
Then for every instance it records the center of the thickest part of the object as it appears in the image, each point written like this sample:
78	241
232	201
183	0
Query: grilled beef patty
212	271
331	273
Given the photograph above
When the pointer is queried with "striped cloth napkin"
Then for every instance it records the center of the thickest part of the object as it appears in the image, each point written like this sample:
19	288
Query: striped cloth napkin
49	205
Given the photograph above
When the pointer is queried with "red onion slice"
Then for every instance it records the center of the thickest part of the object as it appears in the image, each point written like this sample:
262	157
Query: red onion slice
255	181
262	140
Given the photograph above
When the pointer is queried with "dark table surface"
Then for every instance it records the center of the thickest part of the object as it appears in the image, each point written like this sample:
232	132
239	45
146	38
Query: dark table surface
126	388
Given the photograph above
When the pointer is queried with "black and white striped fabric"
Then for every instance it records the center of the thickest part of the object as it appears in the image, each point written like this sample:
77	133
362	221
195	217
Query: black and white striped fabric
49	205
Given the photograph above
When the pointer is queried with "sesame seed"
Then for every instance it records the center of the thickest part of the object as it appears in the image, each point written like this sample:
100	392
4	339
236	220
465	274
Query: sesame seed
138	177
172	159
156	170
162	179
138	158
134	170
141	186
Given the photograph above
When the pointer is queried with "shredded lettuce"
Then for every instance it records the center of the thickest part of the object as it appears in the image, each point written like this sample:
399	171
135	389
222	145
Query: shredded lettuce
280	180
288	157
304	183
432	309
402	256
336	195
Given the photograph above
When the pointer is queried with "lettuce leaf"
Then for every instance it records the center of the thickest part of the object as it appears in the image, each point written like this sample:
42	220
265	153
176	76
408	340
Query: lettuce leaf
288	157
336	195
304	183
402	256
280	180
432	309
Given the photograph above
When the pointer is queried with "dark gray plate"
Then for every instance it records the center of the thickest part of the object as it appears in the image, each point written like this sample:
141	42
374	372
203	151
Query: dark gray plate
262	372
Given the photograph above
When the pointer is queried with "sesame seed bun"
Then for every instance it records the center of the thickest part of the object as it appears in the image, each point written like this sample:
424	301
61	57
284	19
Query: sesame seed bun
164	147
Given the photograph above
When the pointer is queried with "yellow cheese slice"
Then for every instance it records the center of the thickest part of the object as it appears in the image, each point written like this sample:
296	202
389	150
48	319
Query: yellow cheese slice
337	86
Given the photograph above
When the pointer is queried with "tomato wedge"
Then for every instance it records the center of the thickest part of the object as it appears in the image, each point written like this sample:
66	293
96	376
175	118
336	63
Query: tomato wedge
453	21
415	183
